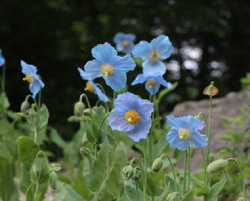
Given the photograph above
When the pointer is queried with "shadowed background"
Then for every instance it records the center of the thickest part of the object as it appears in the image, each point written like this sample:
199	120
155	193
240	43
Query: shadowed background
211	40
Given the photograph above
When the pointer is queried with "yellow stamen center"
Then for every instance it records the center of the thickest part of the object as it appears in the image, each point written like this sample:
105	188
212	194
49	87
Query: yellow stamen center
154	55
184	134
125	43
132	117
151	83
89	87
107	70
29	77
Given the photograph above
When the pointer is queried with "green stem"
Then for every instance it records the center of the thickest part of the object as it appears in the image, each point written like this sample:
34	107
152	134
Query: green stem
242	178
3	77
189	168
96	151
35	136
106	116
145	171
185	172
36	192
87	100
173	170
209	130
39	99
205	166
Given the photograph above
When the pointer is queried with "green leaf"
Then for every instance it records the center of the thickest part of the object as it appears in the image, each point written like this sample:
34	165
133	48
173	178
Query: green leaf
164	193
166	91
69	192
56	138
202	191
4	102
97	172
189	196
43	117
169	181
198	183
99	114
114	181
27	150
216	188
5	153
134	194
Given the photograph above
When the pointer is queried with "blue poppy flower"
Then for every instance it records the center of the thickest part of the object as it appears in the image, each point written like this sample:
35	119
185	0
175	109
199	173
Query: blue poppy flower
131	115
110	66
31	76
91	87
184	132
153	53
2	59
153	82
124	42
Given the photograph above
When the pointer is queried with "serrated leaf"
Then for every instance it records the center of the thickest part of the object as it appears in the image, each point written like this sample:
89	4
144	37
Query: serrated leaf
114	181
43	117
97	172
216	188
69	192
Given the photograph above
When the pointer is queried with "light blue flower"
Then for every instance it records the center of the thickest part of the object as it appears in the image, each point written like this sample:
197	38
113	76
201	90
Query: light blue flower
91	86
153	53
184	132
110	66
2	59
153	82
124	42
31	76
131	115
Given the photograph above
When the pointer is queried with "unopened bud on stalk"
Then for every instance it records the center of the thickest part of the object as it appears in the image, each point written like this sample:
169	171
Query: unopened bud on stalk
55	167
25	106
86	112
127	172
53	179
157	164
137	174
240	199
78	109
84	151
217	166
211	157
198	116
211	90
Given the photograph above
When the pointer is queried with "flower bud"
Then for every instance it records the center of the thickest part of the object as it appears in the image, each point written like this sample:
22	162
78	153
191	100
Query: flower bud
84	151
78	108
25	106
55	167
217	166
198	116
86	112
240	199
211	157
157	165
137	174
53	179
127	172
211	90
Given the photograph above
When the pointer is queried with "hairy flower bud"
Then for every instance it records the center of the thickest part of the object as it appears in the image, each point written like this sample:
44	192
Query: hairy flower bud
127	172
211	157
157	165
25	106
84	151
78	108
217	166
55	167
53	179
137	174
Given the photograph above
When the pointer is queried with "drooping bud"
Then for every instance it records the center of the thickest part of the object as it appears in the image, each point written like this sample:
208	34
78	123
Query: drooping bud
85	152
86	112
211	90
53	179
198	116
217	166
127	172
157	164
137	174
211	157
240	199
55	167
25	106
78	108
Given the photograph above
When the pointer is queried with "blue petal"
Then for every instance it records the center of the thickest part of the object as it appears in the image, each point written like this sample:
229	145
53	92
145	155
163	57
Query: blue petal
119	37
141	50
163	45
139	79
153	90
118	122
100	95
116	81
121	48
34	88
177	122
2	61
154	67
83	74
140	131
104	53
92	69
145	109
198	140
38	79
122	104
28	68
125	63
